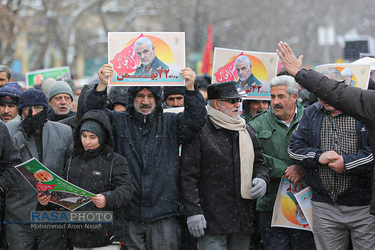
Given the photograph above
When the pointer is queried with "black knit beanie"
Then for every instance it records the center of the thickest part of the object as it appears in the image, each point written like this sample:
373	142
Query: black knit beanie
94	127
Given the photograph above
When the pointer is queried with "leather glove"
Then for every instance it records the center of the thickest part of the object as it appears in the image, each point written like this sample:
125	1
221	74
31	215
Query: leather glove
259	188
196	223
32	123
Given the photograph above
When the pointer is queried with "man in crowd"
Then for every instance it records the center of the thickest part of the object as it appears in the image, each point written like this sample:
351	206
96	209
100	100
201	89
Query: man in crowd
5	75
251	108
222	169
273	129
9	157
354	101
60	96
146	53
50	143
9	95
118	98
173	97
150	140
335	151
244	71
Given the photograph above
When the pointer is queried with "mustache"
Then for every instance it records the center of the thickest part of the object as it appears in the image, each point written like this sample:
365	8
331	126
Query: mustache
278	106
144	106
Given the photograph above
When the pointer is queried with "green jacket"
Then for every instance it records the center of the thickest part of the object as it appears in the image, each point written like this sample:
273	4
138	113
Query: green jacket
274	136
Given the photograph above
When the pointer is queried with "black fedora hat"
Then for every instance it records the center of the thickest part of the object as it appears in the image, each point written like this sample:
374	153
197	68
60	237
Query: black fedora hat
223	90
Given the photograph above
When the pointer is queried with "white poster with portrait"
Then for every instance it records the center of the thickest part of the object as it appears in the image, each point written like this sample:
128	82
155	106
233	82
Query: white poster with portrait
146	58
252	71
356	75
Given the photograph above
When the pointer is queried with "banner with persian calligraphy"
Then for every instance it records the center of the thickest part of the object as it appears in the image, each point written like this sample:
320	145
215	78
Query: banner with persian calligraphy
252	71
146	58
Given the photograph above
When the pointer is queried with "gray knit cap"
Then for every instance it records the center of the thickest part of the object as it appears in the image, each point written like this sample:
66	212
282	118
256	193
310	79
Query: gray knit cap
94	127
60	87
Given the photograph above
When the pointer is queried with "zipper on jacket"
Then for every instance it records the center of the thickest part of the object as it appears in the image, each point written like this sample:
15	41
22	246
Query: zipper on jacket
144	119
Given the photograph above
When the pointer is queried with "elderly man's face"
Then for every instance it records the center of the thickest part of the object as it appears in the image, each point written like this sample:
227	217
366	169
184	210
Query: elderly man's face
8	111
145	54
229	107
61	104
243	70
144	102
282	103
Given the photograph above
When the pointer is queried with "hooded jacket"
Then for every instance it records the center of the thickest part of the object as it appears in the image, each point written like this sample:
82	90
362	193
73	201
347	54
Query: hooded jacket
151	145
100	171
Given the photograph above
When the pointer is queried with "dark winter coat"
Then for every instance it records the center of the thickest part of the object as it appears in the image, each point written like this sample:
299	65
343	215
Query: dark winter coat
52	116
210	180
9	157
354	101
150	143
57	142
100	171
304	149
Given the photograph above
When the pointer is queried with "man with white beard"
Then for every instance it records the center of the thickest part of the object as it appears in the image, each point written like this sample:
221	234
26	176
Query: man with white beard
222	172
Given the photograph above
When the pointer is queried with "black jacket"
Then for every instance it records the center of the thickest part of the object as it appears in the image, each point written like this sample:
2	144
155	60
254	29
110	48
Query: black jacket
210	180
354	101
9	157
304	149
100	171
52	116
150	143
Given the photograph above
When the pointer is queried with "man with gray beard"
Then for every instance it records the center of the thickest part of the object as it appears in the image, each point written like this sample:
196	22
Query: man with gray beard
273	129
222	172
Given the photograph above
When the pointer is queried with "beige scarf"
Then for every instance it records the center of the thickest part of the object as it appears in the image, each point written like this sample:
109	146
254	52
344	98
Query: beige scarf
246	146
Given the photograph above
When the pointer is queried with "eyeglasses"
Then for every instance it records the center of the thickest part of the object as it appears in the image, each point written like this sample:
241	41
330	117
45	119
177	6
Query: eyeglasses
232	101
36	108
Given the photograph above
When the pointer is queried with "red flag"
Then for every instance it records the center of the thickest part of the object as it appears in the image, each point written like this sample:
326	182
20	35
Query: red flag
228	72
127	60
207	54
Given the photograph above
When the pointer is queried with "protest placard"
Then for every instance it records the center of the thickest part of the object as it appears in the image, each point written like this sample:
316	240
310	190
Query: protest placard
147	58
37	76
287	211
356	75
61	191
253	81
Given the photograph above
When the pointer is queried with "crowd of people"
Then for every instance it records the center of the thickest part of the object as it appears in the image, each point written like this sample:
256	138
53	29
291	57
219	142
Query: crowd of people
190	167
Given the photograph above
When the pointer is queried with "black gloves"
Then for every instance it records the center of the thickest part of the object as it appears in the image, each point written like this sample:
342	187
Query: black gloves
32	123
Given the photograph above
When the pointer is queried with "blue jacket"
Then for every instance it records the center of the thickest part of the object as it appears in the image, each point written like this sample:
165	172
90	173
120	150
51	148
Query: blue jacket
304	149
151	143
